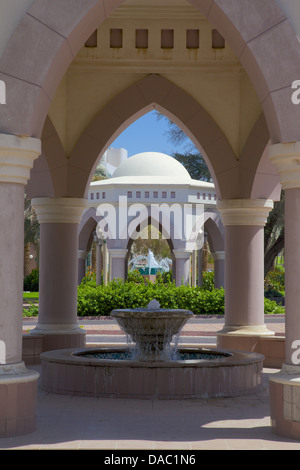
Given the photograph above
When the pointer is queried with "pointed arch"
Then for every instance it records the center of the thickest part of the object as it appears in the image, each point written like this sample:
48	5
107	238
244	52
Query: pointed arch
152	92
50	34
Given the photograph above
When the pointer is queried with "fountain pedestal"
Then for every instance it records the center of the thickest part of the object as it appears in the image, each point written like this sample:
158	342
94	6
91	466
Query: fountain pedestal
151	329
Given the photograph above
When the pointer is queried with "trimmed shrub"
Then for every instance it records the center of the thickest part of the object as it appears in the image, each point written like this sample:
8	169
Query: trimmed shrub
31	281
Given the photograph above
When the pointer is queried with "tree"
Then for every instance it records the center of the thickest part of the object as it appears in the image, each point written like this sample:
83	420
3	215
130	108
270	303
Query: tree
196	166
31	232
191	159
274	234
100	173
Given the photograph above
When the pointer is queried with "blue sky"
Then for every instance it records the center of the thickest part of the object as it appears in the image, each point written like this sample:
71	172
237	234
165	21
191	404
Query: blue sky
147	134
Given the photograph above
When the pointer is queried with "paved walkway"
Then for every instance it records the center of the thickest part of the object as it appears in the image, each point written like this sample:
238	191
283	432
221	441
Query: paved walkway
70	423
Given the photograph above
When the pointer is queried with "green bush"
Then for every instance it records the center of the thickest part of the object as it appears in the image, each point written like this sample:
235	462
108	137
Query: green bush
31	311
271	307
208	280
31	281
101	300
135	276
275	281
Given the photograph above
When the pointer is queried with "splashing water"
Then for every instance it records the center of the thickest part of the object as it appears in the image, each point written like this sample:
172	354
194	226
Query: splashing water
149	262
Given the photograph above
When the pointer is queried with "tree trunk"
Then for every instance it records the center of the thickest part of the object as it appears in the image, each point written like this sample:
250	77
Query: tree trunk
272	252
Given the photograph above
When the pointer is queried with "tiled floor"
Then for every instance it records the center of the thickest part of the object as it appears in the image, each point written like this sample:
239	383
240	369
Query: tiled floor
65	422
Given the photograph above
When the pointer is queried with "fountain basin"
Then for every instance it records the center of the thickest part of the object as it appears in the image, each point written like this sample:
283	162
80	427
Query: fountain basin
227	374
151	329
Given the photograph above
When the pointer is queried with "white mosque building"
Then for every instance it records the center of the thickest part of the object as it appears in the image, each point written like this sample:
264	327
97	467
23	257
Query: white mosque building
152	188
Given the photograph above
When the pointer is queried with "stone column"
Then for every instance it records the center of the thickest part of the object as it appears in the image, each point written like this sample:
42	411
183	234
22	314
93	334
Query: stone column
285	386
98	263
200	267
244	221
18	385
182	267
57	321
82	254
194	268
219	271
105	261
117	260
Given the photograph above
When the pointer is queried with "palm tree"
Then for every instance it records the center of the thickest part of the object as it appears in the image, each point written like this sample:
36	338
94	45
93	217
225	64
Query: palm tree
31	232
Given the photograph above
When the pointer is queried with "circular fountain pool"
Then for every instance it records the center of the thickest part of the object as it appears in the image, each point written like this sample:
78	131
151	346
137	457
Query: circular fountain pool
151	367
110	372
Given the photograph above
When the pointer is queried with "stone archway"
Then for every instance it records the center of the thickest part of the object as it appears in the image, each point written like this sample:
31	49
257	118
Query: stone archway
233	177
33	69
38	54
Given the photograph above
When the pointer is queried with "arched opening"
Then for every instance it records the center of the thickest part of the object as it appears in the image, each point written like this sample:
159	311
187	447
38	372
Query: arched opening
33	74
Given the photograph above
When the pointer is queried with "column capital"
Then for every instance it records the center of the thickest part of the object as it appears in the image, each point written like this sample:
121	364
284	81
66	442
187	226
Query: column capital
118	252
17	154
182	254
218	255
82	254
245	211
59	210
286	158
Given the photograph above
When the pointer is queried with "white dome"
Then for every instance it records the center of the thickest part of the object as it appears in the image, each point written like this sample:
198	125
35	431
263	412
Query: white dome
152	164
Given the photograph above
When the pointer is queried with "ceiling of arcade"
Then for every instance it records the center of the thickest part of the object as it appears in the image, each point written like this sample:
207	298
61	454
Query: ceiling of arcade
166	37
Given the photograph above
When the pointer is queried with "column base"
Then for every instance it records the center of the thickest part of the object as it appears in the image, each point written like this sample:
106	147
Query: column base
284	402
253	330
60	336
18	400
254	339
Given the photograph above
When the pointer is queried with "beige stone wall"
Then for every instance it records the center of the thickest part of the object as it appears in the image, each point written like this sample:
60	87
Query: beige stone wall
213	77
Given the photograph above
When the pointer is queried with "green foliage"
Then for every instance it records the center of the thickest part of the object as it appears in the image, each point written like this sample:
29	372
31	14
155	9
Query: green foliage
96	300
135	276
271	307
275	283
31	282
31	311
208	280
101	300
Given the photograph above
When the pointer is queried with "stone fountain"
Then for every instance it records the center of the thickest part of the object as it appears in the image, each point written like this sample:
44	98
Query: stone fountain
151	329
151	366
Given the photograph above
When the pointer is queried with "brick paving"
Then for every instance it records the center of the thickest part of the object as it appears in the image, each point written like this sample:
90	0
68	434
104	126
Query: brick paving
85	423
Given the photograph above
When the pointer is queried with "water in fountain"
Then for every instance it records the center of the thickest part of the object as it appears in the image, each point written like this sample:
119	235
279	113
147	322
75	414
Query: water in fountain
151	329
151	263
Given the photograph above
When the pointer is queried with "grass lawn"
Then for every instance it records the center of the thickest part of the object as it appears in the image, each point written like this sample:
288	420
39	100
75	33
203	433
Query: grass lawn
30	295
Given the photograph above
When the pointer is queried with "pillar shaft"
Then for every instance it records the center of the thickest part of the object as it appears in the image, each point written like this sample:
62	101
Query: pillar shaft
182	267
98	263
292	272
11	272
219	268
286	158
285	385
16	159
82	254
117	267
17	155
59	219
58	273
244	269
244	276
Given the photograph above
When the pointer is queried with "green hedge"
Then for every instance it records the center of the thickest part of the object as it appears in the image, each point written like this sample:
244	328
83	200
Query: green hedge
101	300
